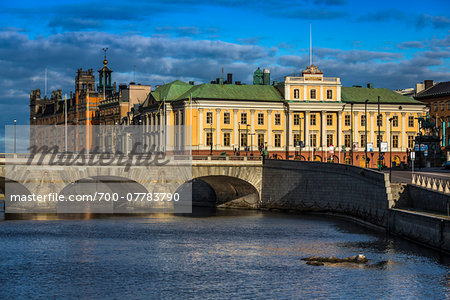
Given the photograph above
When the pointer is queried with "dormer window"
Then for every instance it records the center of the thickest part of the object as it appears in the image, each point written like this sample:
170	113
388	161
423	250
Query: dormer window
313	94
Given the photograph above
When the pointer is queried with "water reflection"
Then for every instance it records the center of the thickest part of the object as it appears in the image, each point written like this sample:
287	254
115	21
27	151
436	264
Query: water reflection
209	254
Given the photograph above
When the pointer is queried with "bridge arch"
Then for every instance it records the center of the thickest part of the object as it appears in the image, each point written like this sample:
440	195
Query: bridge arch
222	191
14	187
120	189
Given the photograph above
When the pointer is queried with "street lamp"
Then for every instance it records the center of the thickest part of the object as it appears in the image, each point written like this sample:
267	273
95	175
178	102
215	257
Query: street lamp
390	149
211	141
15	123
351	131
239	138
365	130
379	134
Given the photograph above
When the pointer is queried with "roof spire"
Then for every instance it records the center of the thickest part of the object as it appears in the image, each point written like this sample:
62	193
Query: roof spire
105	62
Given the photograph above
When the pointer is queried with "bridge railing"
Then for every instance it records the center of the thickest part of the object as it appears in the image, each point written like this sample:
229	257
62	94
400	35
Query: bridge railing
433	183
223	157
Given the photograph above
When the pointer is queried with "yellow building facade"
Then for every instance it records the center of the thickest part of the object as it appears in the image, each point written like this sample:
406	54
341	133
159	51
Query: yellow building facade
309	117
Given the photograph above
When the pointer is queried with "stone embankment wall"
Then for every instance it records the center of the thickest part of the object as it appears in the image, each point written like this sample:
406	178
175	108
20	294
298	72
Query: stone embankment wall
315	186
420	198
361	193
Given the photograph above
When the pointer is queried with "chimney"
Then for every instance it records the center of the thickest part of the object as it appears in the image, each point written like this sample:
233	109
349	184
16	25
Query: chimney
191	82
266	77
428	83
370	86
229	78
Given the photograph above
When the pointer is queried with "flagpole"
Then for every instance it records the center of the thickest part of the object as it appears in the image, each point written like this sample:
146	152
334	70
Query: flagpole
65	121
87	124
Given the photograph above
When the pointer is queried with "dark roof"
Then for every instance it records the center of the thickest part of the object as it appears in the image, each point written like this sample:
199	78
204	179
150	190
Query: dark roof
438	90
360	94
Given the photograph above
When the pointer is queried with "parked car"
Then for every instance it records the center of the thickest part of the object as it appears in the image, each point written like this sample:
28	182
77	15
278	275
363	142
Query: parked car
446	165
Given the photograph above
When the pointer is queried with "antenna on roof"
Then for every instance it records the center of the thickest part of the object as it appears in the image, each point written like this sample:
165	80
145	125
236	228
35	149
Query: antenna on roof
134	73
222	73
310	45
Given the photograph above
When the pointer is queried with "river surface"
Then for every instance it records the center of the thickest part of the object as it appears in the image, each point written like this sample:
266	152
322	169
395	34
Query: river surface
226	254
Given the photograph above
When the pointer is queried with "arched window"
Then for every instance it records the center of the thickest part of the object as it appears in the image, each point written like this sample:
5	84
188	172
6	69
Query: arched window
329	94
313	94
296	94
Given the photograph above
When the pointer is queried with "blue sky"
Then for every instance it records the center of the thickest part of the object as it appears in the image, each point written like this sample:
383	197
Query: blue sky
393	44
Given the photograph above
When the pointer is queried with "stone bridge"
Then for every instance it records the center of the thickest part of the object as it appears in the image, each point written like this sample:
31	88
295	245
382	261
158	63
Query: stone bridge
215	181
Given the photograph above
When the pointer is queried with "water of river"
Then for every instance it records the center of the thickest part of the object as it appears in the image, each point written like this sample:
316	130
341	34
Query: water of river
226	254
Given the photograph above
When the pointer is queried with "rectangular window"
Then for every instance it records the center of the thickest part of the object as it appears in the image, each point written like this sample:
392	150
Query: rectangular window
329	140
347	140
226	139
329	120
260	140
442	105
435	106
363	120
379	140
411	121
260	119
313	94
209	137
395	121
313	140
209	117
395	141
277	119
296	94
410	141
329	94
380	120
296	139
243	118
226	118
363	140
312	120
277	140
347	120
448	105
297	119
243	139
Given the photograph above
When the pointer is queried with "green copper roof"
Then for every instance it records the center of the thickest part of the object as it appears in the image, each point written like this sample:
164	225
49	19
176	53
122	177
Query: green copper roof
233	92
170	91
360	94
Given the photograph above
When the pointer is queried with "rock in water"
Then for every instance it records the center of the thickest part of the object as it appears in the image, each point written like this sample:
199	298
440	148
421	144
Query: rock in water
361	259
314	260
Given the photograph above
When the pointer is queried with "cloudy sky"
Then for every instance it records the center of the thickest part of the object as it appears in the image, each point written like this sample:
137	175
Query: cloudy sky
392	44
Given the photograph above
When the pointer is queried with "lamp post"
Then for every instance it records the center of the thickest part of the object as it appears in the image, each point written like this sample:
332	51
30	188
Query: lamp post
379	134
365	131
351	132
239	137
246	134
300	134
15	123
390	148
211	141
